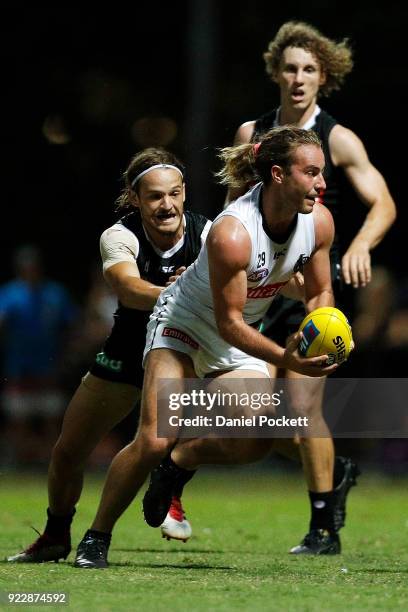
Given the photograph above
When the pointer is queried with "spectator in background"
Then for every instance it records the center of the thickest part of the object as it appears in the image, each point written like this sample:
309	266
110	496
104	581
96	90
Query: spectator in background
35	315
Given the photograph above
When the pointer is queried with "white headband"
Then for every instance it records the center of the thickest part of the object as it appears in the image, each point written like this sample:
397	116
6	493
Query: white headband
139	176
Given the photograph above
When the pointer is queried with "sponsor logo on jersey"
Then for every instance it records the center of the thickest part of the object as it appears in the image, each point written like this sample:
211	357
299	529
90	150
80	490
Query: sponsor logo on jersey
302	260
168	269
310	332
110	364
258	275
172	332
264	291
278	254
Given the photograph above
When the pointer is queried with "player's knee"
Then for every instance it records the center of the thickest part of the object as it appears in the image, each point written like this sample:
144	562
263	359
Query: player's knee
64	458
154	446
304	406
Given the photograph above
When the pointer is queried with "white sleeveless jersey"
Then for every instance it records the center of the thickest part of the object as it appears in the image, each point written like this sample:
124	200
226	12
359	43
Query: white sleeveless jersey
271	265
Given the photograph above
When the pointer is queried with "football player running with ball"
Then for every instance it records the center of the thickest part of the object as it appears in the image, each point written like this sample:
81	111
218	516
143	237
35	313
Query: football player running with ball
204	324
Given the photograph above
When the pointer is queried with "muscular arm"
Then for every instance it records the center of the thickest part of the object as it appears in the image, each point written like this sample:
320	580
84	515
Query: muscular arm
242	136
348	152
132	291
229	250
317	279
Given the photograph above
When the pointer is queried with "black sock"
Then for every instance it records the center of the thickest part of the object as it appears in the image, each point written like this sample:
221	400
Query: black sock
99	535
322	510
182	475
57	525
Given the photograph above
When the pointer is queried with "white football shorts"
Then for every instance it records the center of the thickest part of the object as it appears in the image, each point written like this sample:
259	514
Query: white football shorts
173	326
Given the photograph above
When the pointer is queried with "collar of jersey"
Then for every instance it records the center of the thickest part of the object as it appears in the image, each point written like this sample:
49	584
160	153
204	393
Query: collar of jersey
266	229
174	249
309	123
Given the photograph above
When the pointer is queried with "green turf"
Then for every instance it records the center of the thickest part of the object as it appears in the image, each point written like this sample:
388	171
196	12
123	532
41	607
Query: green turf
244	522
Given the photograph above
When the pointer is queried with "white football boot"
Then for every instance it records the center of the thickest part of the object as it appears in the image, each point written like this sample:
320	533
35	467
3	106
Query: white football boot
175	526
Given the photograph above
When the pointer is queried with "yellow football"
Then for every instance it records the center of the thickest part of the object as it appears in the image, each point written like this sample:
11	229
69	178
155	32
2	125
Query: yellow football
326	331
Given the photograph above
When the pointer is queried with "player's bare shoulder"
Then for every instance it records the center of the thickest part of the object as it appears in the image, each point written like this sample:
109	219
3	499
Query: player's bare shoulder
229	241
117	245
345	146
324	224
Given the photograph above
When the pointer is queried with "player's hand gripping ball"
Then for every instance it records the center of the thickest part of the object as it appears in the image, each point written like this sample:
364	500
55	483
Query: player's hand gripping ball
326	331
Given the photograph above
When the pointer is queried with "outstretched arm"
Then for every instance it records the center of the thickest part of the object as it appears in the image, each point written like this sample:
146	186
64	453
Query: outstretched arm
348	152
132	291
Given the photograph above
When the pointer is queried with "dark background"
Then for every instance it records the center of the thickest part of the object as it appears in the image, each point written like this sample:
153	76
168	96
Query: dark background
84	75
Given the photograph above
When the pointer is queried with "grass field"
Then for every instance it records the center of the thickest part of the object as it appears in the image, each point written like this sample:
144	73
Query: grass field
244	522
